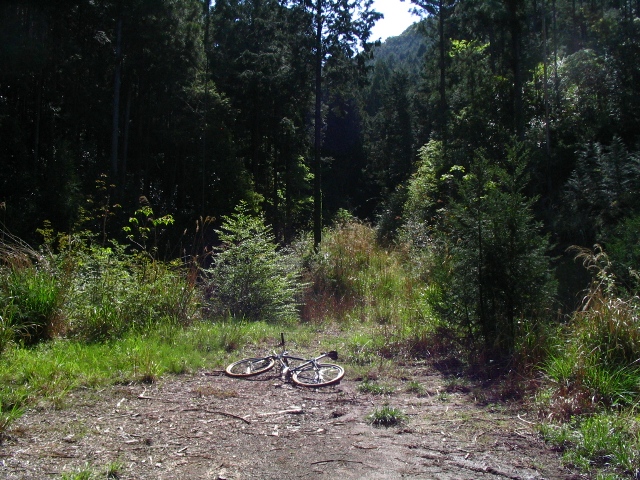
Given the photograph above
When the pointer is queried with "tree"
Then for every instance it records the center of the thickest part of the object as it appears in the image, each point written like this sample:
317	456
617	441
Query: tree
499	273
260	58
339	27
441	10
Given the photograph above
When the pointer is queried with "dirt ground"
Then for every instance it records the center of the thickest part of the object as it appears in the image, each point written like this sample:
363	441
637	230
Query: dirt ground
209	426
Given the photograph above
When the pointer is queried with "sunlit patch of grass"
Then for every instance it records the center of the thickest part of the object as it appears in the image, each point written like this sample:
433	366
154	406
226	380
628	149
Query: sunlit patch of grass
415	387
606	444
387	416
48	372
375	388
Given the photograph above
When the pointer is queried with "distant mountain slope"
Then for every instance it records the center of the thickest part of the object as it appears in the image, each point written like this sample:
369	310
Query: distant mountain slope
404	52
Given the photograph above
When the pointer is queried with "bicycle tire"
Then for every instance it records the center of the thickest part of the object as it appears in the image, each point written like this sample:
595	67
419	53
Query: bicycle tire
325	374
248	367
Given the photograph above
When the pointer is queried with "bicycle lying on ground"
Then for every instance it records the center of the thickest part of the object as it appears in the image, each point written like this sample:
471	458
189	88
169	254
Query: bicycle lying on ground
301	371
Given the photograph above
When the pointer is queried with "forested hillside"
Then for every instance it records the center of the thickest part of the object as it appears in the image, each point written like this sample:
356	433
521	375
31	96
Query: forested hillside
187	110
173	170
197	108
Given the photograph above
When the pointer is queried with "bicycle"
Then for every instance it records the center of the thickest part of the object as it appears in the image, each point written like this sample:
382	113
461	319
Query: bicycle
308	373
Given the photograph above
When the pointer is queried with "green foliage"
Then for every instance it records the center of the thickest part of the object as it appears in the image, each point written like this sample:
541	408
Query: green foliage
31	295
600	192
599	360
32	299
250	278
604	443
375	388
354	279
113	292
595	378
623	247
143	228
387	416
496	272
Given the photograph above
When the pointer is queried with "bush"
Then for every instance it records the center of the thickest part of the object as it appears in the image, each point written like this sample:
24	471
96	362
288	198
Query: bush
33	298
494	270
31	294
114	292
600	356
250	278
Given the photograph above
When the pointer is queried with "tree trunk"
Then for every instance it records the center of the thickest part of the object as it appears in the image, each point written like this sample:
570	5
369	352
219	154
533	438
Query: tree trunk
117	81
442	88
516	67
317	189
125	140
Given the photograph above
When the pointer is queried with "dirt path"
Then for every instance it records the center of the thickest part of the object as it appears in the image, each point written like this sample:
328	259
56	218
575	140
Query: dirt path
210	426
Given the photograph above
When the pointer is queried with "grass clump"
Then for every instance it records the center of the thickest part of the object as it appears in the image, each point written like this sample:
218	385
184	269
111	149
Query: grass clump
594	379
354	280
387	416
415	387
375	388
606	443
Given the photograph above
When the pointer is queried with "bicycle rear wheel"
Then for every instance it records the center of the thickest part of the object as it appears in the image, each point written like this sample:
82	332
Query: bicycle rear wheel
318	375
249	367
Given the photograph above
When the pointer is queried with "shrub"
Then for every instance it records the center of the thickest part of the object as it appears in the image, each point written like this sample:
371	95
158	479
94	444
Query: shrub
600	357
34	297
495	272
31	294
250	278
113	292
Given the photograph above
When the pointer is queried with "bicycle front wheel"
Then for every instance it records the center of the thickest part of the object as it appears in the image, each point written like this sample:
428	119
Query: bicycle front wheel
318	375
249	367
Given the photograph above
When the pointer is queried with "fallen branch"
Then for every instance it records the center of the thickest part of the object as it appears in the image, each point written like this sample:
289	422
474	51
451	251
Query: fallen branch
337	460
282	412
226	414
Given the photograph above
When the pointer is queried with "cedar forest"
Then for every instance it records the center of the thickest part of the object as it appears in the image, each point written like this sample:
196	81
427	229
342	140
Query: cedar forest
494	147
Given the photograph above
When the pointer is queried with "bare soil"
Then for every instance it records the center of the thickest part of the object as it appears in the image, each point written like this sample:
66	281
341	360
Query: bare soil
210	426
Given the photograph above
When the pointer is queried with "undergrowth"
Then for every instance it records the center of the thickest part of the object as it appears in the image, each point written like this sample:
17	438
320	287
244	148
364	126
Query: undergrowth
593	391
84	313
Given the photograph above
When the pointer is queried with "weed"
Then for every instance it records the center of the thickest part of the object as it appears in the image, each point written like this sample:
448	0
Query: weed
375	388
8	415
415	387
387	416
113	470
84	473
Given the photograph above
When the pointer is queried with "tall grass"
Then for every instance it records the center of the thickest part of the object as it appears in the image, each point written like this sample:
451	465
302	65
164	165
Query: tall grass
594	378
355	281
31	295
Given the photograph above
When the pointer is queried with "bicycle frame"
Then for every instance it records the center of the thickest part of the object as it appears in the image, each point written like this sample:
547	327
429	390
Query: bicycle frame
283	360
284	357
301	371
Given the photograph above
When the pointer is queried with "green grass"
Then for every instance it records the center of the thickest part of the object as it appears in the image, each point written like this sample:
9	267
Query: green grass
605	444
415	387
88	472
49	371
387	416
375	388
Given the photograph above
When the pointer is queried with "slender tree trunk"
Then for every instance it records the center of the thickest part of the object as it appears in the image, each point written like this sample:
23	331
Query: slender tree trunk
516	67
125	140
442	88
36	133
545	86
117	81
317	189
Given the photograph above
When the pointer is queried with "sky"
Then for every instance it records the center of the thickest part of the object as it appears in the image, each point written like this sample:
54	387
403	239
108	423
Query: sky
396	18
